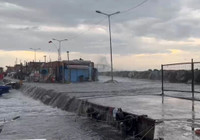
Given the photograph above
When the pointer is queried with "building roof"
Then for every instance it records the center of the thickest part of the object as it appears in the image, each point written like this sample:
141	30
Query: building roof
77	67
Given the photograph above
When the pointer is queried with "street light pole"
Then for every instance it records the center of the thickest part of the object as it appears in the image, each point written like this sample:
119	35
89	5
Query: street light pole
35	52
45	58
59	47
68	56
111	59
59	56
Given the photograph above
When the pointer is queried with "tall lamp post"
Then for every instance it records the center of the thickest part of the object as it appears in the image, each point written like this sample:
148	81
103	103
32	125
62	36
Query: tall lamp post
68	55
111	59
35	52
45	58
59	56
59	47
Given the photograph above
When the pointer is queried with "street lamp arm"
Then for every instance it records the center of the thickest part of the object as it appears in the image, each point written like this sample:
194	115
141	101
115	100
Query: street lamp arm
59	40
59	47
102	13
107	14
53	44
114	13
35	52
35	49
97	11
111	60
63	40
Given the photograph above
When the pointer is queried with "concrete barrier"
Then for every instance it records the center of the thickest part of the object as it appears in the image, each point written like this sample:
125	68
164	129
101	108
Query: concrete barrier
131	125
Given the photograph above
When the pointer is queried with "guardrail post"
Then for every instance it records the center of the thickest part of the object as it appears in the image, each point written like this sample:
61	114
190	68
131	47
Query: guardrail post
162	80
192	68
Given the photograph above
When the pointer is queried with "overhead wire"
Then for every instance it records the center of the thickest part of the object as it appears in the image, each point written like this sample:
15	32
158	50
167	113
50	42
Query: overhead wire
134	7
121	12
97	23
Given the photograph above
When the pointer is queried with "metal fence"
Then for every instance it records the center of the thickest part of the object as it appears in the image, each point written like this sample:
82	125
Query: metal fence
181	78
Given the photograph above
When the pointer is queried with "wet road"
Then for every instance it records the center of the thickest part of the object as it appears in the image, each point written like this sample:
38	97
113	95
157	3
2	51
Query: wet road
177	115
40	121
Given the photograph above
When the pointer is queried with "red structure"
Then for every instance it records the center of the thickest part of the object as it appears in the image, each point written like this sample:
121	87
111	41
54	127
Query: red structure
1	73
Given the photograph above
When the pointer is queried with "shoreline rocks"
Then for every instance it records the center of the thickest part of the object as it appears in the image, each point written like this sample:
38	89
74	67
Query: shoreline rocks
172	76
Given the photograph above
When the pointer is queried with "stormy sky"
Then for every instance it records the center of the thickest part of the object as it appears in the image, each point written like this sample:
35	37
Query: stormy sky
146	34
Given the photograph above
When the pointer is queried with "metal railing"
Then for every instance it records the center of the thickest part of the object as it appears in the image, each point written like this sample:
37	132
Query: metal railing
189	71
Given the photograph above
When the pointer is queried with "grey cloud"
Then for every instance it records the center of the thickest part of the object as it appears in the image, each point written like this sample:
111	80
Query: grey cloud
193	4
29	28
79	11
178	28
156	18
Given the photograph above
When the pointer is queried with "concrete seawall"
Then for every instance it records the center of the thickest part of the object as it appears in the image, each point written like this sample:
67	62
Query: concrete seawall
128	124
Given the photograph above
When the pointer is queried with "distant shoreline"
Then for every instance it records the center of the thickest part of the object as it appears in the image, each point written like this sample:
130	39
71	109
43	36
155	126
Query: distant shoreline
172	76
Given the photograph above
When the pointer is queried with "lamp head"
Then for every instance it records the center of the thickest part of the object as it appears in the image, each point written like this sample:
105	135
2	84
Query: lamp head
117	12
98	11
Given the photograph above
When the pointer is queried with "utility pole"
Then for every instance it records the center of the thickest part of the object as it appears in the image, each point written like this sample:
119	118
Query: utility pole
111	59
59	47
45	58
16	61
68	56
35	50
59	56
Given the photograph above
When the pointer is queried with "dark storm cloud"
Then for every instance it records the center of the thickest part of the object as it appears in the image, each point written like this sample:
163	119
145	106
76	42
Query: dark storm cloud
26	23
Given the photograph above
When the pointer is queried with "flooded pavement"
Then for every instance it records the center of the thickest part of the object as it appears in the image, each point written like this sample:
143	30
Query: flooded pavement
177	115
135	96
39	121
124	87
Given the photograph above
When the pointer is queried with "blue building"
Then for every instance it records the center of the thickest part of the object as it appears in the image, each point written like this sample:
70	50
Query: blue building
70	71
78	73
